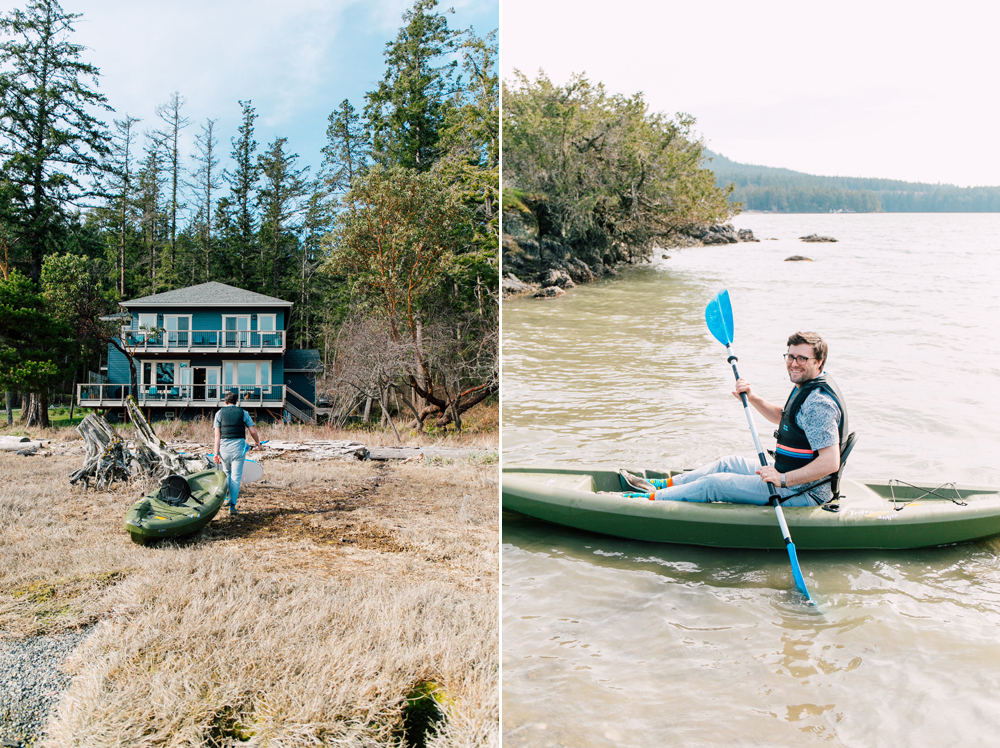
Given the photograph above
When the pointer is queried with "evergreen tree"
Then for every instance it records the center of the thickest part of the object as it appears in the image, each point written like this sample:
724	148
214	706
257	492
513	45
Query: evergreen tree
33	347
345	155
316	224
242	182
407	111
151	222
49	141
281	200
470	162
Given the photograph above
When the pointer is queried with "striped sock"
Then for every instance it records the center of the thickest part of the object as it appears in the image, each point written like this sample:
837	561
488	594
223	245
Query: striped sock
638	496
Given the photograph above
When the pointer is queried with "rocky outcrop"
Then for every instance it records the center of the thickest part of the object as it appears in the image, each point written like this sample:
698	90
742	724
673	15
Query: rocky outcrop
718	234
536	263
512	287
798	258
817	238
558	277
545	263
549	292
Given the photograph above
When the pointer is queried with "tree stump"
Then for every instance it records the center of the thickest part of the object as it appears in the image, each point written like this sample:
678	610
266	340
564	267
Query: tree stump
108	458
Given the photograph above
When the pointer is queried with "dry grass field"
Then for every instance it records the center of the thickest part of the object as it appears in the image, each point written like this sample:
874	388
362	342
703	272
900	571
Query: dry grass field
306	620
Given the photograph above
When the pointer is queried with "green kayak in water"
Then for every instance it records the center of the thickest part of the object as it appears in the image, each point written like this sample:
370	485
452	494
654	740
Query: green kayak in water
887	514
180	506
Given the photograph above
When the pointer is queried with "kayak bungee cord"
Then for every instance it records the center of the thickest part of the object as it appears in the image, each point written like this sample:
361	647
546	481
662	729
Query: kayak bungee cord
929	492
719	317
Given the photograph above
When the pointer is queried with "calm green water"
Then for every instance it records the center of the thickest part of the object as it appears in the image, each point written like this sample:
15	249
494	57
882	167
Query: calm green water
609	642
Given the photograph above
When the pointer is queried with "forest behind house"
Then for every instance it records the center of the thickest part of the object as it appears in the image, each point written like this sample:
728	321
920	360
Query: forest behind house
389	251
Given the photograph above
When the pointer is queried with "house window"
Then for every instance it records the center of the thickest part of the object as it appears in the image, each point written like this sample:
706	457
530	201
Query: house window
236	331
160	378
178	330
147	322
165	372
247	374
266	326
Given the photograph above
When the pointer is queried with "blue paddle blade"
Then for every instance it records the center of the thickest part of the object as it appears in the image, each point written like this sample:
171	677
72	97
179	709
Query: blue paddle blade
797	572
719	316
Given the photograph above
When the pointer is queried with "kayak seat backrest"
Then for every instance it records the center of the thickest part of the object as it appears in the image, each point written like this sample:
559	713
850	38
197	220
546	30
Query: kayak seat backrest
174	490
845	452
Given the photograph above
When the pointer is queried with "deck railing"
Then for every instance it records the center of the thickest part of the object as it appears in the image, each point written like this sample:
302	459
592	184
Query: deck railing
181	395
205	341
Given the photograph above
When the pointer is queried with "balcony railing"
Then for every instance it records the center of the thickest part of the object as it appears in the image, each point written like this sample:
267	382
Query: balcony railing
179	396
205	341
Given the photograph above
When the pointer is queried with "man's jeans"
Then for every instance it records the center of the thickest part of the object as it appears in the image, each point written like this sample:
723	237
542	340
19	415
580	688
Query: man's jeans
732	479
232	452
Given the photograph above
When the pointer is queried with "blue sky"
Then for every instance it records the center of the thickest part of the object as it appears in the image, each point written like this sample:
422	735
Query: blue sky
855	88
296	60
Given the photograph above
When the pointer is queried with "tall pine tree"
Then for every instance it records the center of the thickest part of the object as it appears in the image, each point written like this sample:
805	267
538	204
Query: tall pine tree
346	153
407	111
239	208
50	143
282	198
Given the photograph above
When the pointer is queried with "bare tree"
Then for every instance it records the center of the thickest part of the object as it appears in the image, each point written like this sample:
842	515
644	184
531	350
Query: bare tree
169	137
121	178
367	367
207	180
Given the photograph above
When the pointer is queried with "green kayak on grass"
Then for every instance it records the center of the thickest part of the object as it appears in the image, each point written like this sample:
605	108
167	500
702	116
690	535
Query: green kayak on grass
870	514
172	510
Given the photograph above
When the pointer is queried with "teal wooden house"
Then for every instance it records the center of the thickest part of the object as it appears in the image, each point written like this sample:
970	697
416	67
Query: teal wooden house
192	345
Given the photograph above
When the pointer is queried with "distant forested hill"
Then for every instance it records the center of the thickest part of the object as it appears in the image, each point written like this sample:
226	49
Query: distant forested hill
785	191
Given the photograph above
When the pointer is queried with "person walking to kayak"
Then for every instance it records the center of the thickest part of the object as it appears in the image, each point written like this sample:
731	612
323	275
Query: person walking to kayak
231	425
811	428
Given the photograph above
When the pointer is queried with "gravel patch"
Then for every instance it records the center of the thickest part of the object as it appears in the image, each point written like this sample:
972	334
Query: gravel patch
31	681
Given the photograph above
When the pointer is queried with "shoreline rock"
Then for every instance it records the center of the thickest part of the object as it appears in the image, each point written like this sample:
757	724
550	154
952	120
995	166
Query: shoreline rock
724	233
545	267
817	238
512	287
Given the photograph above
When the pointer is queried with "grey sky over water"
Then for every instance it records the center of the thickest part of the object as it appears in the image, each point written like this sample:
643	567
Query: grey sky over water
874	89
295	59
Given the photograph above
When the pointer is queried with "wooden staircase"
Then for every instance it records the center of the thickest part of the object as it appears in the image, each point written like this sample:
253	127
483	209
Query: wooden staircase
304	410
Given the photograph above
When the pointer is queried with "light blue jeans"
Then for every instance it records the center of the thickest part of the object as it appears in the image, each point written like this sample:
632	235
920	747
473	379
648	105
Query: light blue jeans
731	479
232	452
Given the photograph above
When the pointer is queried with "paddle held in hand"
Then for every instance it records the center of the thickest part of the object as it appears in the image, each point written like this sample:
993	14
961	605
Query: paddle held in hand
719	317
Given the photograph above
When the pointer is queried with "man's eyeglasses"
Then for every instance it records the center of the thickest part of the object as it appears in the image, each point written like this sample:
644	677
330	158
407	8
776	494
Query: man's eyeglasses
789	358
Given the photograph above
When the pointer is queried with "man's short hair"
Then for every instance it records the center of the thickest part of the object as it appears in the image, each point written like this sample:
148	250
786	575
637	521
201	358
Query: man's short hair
232	398
813	339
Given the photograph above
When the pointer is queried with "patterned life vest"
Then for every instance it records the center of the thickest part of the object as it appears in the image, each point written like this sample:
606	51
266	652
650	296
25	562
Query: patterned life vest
793	450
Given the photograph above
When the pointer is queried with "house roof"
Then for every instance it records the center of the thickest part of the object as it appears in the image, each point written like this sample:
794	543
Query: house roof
206	294
303	360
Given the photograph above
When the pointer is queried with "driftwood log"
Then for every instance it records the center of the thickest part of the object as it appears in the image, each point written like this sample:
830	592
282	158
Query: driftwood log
108	458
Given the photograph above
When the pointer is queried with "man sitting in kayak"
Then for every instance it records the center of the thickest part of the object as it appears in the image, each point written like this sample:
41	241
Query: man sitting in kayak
811	428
